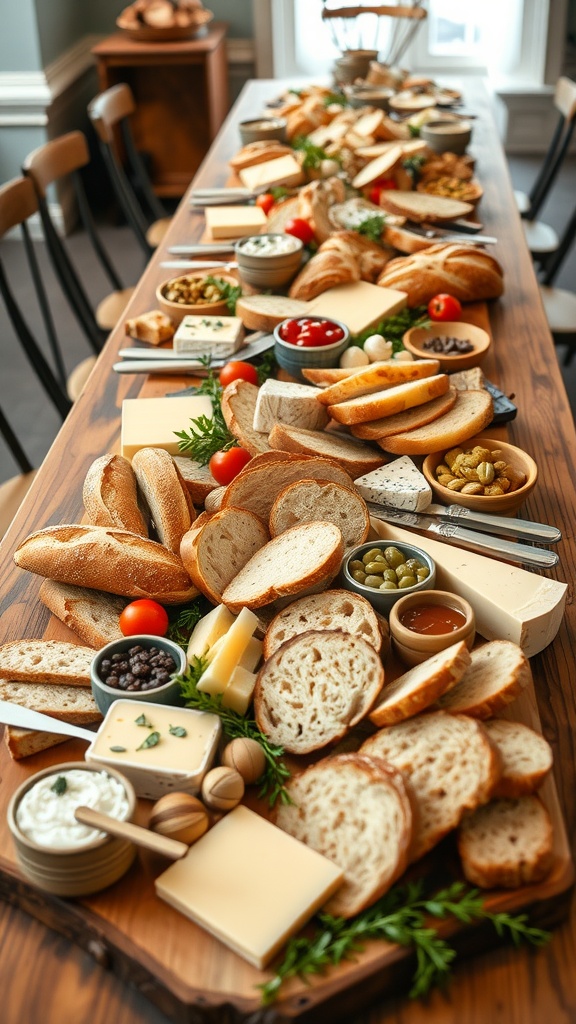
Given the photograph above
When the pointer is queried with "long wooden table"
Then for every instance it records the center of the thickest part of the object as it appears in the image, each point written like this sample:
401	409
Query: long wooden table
44	976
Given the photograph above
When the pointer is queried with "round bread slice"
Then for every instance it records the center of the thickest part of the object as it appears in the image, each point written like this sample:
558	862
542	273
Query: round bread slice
265	312
353	456
166	495
334	609
507	844
525	754
497	674
451	764
238	407
213	501
421	685
355	811
470	414
258	486
307	555
410	419
307	500
215	554
315	687
110	495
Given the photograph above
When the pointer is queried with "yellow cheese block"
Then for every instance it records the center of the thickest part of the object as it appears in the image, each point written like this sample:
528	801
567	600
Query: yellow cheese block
252	654
238	694
249	884
208	630
231	647
283	170
234	221
358	305
151	422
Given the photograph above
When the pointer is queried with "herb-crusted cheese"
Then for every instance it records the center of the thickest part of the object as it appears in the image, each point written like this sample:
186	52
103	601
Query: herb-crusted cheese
399	483
284	402
209	335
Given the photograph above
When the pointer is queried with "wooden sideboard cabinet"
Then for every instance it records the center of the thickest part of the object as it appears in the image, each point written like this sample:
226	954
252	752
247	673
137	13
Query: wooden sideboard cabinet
181	93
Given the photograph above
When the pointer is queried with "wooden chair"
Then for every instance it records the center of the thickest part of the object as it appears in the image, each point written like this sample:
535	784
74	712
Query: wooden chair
13	491
60	159
559	303
110	113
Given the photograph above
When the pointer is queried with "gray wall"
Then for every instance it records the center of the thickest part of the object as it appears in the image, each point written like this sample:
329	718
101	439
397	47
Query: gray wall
19	42
61	23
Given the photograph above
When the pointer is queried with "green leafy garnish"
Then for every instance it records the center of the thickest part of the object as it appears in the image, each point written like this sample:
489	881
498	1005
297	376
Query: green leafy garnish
335	97
394	327
267	366
414	130
400	917
118	750
152	740
313	155
142	720
230	292
373	227
180	628
207	434
234	725
59	786
279	192
413	166
177	730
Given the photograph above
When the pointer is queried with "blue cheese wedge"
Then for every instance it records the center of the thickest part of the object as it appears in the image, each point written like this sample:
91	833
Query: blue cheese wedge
219	336
399	483
294	404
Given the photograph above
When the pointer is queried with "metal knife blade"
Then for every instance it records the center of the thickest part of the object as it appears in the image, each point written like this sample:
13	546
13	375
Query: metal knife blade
469	227
198	265
206	249
541	533
442	235
165	366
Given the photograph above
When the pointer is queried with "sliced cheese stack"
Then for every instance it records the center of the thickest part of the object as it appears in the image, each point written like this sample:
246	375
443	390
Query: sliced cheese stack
232	651
234	221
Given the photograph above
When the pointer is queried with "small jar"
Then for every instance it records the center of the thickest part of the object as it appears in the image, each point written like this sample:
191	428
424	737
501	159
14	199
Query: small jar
431	610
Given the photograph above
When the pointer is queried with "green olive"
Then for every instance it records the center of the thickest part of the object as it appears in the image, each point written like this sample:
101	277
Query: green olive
388	585
376	567
403	570
423	573
359	576
414	564
380	558
393	557
369	556
390	575
407	581
356	564
373	581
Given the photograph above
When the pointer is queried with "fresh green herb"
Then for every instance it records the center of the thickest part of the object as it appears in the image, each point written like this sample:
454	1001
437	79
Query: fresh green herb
296	92
335	97
230	292
267	367
414	130
394	327
142	720
400	917
207	434
152	740
413	166
234	725
205	360
373	227
118	750
180	629
313	155
177	730
279	192
59	786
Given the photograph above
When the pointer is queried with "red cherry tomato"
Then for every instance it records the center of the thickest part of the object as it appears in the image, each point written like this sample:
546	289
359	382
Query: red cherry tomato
265	202
237	370
379	186
444	307
144	616
300	229
224	466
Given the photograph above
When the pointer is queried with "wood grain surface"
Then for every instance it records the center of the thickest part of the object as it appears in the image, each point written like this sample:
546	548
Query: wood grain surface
44	976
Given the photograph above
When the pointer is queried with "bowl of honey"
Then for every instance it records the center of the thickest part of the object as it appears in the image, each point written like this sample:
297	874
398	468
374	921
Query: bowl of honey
422	624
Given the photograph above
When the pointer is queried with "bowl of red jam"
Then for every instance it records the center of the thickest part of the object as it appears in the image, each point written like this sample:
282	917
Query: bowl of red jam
424	624
309	341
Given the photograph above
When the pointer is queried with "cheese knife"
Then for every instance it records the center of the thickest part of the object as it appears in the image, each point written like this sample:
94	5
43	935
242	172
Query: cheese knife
201	249
198	265
442	235
468	227
523	529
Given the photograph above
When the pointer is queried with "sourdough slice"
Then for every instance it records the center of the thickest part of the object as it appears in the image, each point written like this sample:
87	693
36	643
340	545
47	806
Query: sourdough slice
198	479
334	610
374	378
306	556
354	810
214	555
470	414
525	754
353	456
315	688
419	206
421	685
46	661
213	502
404	240
25	742
265	312
468	380
410	419
450	763
166	495
238	407
67	703
257	488
507	844
497	674
110	495
307	500
391	401
91	614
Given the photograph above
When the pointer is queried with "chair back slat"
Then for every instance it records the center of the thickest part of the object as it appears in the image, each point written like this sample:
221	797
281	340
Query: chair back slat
565	98
17	203
57	159
109	108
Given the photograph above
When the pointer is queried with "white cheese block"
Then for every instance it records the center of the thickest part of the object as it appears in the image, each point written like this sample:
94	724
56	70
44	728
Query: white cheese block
252	654
209	335
509	603
151	422
208	630
400	483
249	884
234	221
240	690
283	170
358	305
284	402
231	648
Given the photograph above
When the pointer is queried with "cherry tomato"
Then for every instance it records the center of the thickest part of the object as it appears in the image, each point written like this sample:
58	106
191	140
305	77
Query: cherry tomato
300	229
444	307
265	202
224	466
379	186
237	370
144	616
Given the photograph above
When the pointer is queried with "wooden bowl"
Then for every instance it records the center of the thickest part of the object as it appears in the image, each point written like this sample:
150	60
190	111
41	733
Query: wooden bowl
129	24
415	339
178	310
493	504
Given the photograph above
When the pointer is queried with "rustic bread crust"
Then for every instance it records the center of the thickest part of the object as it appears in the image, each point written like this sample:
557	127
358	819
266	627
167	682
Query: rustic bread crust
390	401
334	609
257	487
166	495
497	674
471	412
46	661
525	754
92	615
507	844
467	273
353	456
238	408
215	554
377	376
110	495
421	686
410	419
306	500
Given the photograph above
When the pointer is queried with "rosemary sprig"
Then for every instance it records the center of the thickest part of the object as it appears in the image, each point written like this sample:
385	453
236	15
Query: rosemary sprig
234	725
400	917
207	434
413	166
313	155
181	626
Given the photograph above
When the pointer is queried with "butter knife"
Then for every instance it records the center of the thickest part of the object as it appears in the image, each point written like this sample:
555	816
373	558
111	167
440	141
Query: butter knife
205	249
523	529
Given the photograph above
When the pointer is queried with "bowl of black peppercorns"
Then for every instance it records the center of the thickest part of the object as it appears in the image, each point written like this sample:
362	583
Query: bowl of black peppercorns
138	667
455	344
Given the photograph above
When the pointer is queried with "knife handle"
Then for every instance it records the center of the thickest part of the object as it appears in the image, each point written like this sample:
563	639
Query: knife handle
522	528
537	557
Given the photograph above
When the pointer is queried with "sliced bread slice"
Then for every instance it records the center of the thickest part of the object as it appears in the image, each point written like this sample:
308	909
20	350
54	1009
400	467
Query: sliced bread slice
315	688
67	703
307	500
410	419
497	674
215	554
470	414
213	502
46	661
391	401
257	488
308	555
526	757
354	810
334	609
419	206
353	456
421	685
376	377
507	844
323	376
238	407
25	742
265	312
91	614
198	479
451	765
166	495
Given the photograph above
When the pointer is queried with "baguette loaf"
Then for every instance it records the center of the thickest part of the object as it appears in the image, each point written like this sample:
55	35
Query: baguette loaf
116	561
421	685
391	401
341	610
497	674
315	688
66	703
198	479
410	419
166	495
466	272
257	489
25	742
352	456
526	757
323	271
91	614
376	377
214	555
471	413
306	500
265	312
110	495
46	661
238	408
507	844
354	810
213	500
323	376
419	206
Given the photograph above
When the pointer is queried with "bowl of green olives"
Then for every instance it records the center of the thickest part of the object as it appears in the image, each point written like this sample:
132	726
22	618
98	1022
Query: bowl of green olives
383	573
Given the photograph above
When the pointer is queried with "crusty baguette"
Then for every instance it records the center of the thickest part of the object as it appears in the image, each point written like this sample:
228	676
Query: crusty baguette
525	754
238	407
166	495
451	765
116	561
305	500
470	414
419	206
91	614
110	495
198	479
304	557
421	686
257	488
497	674
376	377
214	555
46	661
410	419
334	609
67	703
507	844
353	456
213	500
391	401
257	153
315	688
25	742
466	272
265	312
355	810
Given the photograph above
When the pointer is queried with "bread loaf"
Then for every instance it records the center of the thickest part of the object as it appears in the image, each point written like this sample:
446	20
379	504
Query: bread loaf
421	685
507	844
110	495
419	207
214	555
238	407
497	674
91	614
370	257
525	754
410	419
257	488
335	609
198	479
464	271
324	270
166	495
306	500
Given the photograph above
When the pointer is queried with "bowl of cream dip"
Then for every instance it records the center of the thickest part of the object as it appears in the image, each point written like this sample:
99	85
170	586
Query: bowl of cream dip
269	260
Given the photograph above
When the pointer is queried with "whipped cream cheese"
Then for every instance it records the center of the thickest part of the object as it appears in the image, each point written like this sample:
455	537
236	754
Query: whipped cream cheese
269	245
45	813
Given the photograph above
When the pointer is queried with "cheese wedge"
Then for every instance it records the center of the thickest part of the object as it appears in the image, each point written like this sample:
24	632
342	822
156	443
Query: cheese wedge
240	690
284	170
208	630
234	221
231	648
358	305
399	484
151	422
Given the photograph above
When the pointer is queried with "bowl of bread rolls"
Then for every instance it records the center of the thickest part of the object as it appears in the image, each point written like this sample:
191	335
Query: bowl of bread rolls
484	474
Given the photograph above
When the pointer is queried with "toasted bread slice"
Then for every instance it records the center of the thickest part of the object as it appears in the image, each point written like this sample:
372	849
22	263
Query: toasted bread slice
471	413
374	378
391	401
497	674
198	479
46	661
335	609
526	757
323	376
507	844
410	419
265	312
67	703
25	742
421	685
352	456
91	614
214	555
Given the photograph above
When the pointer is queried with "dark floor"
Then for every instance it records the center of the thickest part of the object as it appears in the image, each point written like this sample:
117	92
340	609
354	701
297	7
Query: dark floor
21	397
